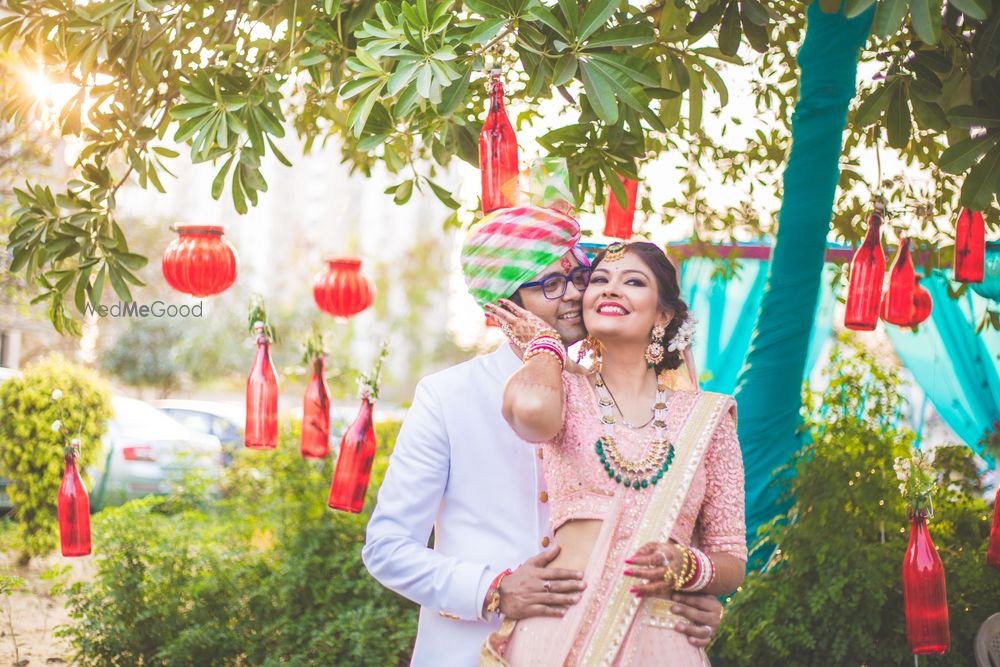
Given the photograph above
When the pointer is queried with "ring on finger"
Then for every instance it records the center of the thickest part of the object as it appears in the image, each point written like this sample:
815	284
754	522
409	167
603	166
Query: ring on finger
547	585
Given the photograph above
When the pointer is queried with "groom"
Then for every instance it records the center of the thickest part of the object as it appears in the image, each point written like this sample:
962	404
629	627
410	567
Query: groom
457	467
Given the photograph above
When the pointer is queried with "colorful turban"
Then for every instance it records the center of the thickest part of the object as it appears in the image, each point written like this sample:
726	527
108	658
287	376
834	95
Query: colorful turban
510	246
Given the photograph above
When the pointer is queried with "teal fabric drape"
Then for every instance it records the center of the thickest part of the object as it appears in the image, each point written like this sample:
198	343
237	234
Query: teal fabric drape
958	369
726	310
769	387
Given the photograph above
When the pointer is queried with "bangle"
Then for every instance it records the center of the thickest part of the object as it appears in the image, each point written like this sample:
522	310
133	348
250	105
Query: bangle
493	593
689	569
546	341
705	574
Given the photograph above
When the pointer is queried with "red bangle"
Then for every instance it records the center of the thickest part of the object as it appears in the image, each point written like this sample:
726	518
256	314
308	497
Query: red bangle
496	582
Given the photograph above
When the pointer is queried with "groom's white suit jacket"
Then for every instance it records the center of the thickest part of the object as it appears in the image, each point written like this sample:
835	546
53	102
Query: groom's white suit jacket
459	468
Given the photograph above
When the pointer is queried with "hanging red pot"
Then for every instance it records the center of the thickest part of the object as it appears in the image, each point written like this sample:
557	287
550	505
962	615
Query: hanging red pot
262	397
73	507
897	303
864	292
354	462
316	414
989	288
498	153
924	595
343	289
970	245
993	552
200	262
618	220
922	304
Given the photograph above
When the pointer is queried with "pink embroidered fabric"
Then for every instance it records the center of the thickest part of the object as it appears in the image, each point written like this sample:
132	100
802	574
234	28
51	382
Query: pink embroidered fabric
712	516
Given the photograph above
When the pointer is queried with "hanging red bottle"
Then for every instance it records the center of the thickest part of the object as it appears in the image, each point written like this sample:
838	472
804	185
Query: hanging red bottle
924	596
618	220
354	462
74	507
316	414
993	552
262	397
970	246
864	292
897	303
922	304
498	153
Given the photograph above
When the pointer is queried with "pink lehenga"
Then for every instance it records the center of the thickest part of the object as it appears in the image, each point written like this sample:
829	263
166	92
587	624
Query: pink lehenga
698	501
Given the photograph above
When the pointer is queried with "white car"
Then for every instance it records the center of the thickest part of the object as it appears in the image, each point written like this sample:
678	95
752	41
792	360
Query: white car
223	420
146	451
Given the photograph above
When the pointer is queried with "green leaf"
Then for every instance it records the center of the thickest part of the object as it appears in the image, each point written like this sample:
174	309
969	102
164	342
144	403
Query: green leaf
121	289
403	192
705	20
97	289
165	152
716	81
755	12
278	154
968	116
874	104
899	125
454	95
855	8
443	195
981	183
571	12
220	177
544	15
926	18
564	70
889	17
597	14
730	32
486	30
487	7
358	115
238	193
600	92
132	260
695	102
759	36
929	114
975	9
962	155
631	34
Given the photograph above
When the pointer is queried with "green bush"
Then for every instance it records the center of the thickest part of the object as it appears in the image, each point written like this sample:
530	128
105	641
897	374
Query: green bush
832	593
31	452
269	575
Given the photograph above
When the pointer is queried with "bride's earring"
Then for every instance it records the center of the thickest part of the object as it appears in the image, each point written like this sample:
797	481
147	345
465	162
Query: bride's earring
592	346
655	351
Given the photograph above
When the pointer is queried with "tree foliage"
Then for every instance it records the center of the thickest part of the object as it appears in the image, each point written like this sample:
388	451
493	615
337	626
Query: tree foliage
35	428
832	593
402	83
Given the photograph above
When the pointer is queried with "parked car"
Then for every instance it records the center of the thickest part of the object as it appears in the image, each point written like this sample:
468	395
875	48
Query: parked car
144	451
223	420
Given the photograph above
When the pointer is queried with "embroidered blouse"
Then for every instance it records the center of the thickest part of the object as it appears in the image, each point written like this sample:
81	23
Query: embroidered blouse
712	516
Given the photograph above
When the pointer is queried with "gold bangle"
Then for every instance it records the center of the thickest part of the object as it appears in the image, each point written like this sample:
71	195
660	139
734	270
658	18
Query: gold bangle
689	569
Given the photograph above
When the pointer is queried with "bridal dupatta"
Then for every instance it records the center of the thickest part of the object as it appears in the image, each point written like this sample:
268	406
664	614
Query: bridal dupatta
594	631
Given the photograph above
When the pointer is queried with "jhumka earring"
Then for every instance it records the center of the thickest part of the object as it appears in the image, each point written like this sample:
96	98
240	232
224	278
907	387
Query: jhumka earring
655	351
593	347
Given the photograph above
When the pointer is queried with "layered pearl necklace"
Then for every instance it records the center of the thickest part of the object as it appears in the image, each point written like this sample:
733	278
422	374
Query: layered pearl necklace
641	474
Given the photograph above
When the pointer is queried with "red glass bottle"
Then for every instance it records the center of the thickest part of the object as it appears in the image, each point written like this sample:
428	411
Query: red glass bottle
864	292
498	153
262	397
993	552
897	303
924	596
970	246
316	414
354	462
74	507
618	220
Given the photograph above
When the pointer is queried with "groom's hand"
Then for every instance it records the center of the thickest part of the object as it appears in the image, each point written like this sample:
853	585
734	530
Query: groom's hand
702	614
534	589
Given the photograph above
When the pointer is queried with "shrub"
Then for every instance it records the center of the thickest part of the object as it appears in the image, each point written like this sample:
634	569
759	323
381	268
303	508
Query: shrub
31	452
269	575
832	593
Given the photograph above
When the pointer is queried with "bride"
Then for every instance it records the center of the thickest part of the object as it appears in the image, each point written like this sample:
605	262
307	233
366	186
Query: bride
645	483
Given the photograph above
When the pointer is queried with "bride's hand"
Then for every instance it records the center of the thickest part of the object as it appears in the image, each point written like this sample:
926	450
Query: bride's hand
649	565
518	324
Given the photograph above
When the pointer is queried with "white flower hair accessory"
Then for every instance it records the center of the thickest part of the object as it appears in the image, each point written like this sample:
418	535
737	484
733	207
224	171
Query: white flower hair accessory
682	339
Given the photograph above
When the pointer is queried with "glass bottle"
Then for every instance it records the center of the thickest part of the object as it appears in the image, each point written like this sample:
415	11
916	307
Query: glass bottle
354	462
262	397
316	414
925	598
864	292
74	506
498	153
970	246
618	220
897	303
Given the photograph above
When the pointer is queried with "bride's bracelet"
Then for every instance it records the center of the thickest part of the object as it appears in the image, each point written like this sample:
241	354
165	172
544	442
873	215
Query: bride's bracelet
704	572
546	341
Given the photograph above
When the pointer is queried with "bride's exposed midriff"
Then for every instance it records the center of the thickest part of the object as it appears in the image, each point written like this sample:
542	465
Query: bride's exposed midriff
577	538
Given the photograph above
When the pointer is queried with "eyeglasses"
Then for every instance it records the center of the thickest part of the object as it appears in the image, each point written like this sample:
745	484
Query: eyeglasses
554	285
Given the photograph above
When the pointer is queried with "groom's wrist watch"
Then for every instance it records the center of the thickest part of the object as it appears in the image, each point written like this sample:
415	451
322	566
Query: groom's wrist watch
493	596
